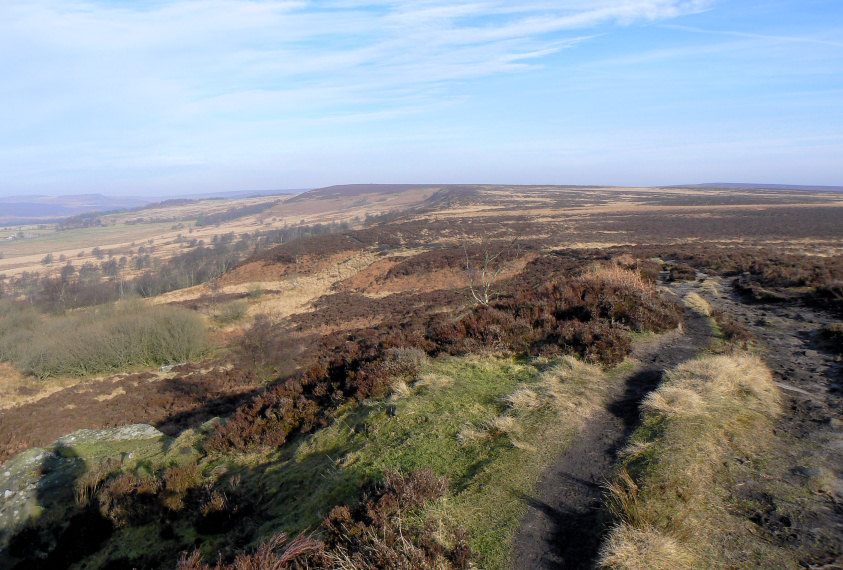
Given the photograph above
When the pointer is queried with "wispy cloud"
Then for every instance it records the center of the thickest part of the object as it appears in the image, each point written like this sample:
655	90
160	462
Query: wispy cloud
113	89
771	37
186	51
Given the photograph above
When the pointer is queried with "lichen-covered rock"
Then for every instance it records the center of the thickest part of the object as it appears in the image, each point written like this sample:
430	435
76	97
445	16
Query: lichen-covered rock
44	478
134	432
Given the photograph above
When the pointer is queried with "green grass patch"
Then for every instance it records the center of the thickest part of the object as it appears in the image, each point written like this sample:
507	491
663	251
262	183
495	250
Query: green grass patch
424	425
83	238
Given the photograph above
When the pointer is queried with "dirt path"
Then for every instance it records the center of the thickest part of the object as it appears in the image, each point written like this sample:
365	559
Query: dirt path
558	530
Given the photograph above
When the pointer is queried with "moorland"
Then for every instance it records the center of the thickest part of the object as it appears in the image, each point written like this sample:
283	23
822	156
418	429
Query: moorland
442	376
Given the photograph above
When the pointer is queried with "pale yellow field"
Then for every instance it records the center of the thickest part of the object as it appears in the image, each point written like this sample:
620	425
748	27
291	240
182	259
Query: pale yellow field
122	238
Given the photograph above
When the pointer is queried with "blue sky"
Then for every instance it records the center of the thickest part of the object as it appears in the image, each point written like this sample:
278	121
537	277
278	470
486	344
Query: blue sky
165	97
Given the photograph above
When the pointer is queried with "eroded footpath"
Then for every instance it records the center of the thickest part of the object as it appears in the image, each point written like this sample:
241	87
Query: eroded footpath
562	526
558	530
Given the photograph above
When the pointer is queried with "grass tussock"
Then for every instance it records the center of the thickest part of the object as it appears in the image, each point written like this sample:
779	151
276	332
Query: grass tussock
573	385
646	548
401	390
618	276
670	501
99	340
711	287
697	303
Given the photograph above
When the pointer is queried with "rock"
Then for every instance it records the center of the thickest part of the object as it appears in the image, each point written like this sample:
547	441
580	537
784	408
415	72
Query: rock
209	426
133	432
41	478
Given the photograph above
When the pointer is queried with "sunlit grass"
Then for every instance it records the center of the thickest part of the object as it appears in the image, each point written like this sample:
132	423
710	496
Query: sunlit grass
677	499
423	425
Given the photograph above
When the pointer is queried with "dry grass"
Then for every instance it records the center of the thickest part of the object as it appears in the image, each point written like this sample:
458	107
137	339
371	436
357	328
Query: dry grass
645	548
697	303
434	381
524	400
712	287
110	396
618	276
574	386
401	390
472	435
624	260
495	428
568	386
281	296
295	294
669	498
502	426
741	380
19	390
673	401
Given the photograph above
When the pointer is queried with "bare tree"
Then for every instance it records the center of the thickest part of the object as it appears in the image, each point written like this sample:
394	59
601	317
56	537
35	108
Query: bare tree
485	265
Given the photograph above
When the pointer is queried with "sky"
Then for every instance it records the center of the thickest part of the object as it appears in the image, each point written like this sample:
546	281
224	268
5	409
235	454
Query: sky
169	97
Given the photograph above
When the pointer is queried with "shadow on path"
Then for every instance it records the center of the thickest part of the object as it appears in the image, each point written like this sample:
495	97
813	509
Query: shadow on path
563	527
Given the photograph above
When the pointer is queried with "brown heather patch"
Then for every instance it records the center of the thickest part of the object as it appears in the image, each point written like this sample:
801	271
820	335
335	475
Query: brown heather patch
370	276
335	327
173	402
111	396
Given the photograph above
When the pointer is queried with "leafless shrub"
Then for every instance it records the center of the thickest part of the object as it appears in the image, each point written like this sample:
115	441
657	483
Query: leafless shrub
485	264
107	340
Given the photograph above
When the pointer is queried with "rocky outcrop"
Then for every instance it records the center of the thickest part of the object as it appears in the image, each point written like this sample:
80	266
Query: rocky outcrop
41	482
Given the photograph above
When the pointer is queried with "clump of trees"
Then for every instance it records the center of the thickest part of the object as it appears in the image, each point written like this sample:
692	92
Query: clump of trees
234	213
97	283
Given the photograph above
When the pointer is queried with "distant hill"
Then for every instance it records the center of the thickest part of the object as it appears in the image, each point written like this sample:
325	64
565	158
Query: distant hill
39	209
235	194
753	185
33	209
349	190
